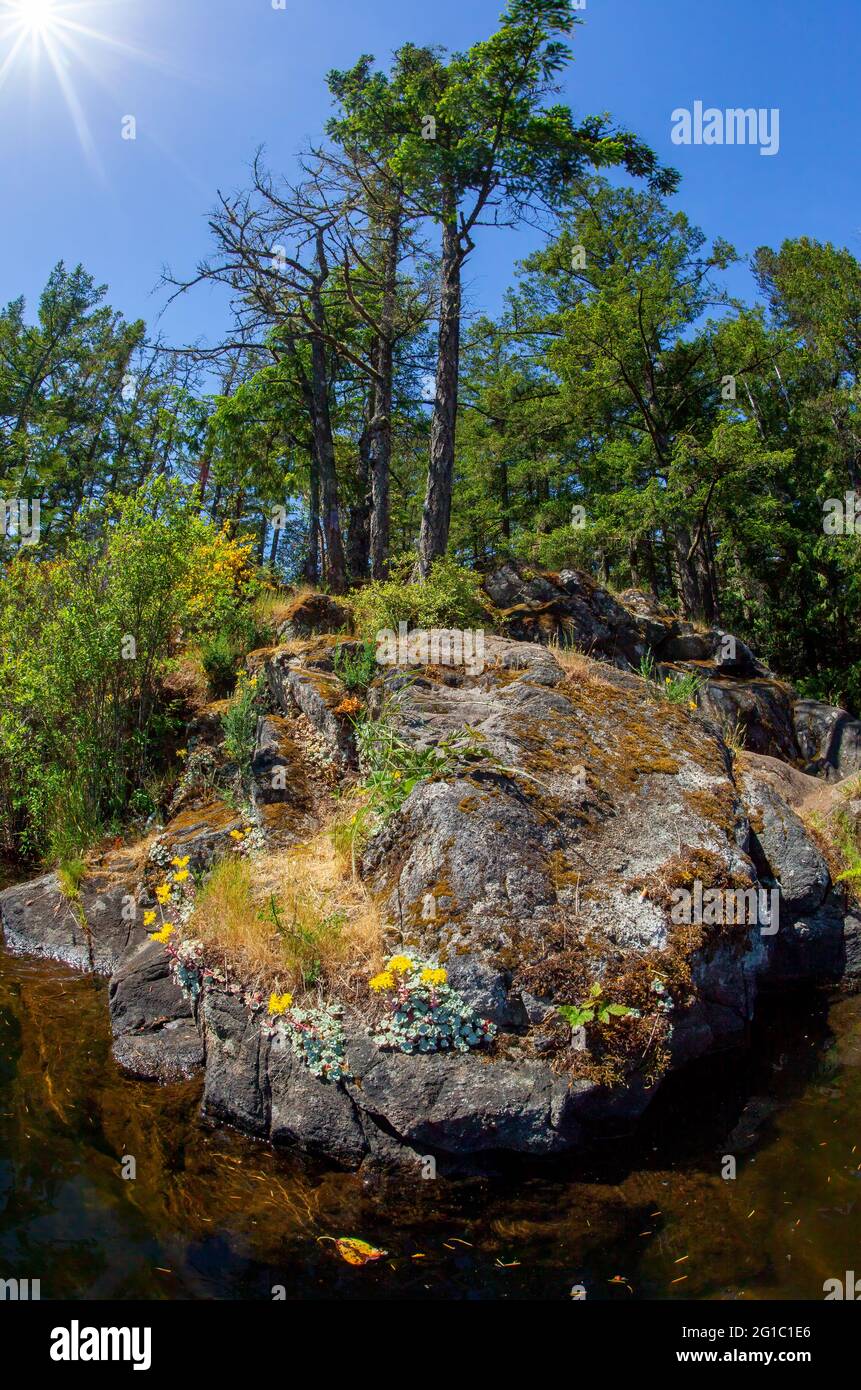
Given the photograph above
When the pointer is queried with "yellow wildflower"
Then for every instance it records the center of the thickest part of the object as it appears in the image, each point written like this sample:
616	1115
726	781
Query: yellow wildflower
400	964
237	834
182	752
692	704
163	893
149	917
182	863
181	876
279	1003
164	935
385	980
396	776
433	977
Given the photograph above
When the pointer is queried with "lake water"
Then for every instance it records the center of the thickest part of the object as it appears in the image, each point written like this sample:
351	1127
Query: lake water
211	1214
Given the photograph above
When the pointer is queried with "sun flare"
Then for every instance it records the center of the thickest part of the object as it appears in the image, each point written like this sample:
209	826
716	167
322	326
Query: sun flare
56	39
36	17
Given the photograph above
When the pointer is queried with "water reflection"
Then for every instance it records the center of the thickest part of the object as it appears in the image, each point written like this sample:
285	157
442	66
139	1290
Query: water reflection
214	1215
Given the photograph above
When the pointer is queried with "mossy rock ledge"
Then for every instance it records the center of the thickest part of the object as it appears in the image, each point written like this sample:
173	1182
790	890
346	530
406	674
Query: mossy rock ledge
540	862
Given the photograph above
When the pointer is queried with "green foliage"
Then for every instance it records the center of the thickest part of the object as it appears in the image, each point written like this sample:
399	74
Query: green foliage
86	641
676	689
239	722
391	769
449	597
71	874
682	690
847	844
317	1037
219	658
356	668
424	1014
595	1007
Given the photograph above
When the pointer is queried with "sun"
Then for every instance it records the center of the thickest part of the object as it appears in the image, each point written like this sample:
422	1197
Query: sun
37	17
55	39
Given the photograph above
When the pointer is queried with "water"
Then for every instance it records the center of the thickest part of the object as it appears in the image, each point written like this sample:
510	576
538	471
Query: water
214	1215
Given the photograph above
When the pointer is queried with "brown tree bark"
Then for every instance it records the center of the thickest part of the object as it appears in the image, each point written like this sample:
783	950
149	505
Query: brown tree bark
311	572
687	582
359	526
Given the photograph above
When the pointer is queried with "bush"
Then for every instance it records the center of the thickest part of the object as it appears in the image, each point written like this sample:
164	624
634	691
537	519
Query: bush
85	644
356	668
239	722
219	659
449	597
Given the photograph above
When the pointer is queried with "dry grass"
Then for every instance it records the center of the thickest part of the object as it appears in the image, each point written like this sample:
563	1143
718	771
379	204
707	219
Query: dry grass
272	608
575	663
292	920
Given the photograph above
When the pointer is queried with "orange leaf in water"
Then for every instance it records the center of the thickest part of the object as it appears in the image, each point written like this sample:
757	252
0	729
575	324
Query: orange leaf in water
358	1252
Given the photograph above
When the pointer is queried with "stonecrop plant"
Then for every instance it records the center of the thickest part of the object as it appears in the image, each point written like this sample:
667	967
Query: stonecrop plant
316	1035
422	1012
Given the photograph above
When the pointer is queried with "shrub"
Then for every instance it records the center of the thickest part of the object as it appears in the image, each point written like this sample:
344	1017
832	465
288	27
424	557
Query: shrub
449	597
356	668
240	724
85	645
219	659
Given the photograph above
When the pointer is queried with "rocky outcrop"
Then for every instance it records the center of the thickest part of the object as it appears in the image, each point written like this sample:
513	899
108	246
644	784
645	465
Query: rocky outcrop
829	739
201	834
88	930
155	1035
280	794
739	692
309	614
572	609
571	819
542	858
307	682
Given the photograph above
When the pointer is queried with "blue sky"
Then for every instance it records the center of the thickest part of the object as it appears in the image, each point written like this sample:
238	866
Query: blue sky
210	80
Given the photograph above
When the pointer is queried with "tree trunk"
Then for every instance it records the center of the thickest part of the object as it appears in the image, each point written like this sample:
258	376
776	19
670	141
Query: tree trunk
687	583
359	528
311	571
382	443
436	517
504	498
704	562
325	449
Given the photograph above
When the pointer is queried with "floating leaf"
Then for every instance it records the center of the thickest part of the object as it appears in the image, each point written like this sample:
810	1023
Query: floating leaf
356	1252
